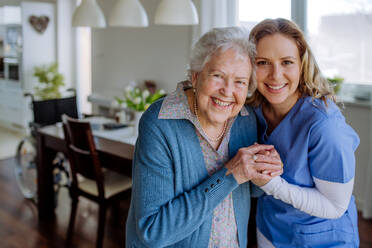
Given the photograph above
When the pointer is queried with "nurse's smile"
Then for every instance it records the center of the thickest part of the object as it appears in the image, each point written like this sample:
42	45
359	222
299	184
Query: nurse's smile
275	88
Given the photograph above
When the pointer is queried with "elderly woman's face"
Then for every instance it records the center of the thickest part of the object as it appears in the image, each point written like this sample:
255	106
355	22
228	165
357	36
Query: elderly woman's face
222	87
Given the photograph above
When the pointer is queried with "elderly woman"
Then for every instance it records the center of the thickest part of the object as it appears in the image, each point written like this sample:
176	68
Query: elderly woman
311	204
181	194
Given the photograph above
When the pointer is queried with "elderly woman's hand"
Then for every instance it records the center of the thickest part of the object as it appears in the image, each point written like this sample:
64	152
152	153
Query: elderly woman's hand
256	162
269	156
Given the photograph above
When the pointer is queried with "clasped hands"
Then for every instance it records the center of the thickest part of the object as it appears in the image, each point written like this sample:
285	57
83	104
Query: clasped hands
259	163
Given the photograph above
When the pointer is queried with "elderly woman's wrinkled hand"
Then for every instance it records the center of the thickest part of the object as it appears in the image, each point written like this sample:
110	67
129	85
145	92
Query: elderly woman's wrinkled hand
268	156
259	163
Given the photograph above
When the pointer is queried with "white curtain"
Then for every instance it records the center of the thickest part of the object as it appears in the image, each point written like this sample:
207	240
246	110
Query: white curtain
215	13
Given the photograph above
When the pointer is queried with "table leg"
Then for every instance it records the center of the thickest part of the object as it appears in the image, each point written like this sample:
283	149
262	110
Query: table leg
45	190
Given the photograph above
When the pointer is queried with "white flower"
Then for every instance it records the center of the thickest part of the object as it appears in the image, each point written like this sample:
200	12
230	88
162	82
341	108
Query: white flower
124	105
128	89
128	95
50	76
137	91
137	100
162	91
145	94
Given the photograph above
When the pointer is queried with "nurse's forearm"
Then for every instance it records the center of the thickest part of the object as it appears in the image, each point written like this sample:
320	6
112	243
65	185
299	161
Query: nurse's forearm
327	200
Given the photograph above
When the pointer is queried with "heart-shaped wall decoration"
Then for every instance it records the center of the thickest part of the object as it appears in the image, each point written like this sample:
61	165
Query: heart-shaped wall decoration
39	23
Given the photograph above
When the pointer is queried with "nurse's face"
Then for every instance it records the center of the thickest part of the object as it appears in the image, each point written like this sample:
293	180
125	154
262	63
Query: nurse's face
278	70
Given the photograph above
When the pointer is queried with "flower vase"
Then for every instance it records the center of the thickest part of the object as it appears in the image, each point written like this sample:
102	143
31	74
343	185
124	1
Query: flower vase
136	119
121	117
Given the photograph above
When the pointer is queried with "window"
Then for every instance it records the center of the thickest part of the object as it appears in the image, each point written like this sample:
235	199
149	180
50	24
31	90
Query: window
339	33
252	12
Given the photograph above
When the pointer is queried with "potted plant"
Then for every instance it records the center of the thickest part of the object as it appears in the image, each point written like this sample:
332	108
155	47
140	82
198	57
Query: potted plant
336	83
49	103
138	100
50	81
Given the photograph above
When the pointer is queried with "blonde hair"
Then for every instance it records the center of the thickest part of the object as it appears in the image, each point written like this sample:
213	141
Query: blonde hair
312	83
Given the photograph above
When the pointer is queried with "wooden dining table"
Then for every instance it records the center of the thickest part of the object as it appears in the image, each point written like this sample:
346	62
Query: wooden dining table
115	149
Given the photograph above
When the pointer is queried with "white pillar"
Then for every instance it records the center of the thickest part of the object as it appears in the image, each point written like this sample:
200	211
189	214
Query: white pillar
65	41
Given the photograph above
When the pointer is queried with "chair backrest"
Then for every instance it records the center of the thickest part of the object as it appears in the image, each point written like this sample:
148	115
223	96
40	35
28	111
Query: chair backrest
48	112
82	152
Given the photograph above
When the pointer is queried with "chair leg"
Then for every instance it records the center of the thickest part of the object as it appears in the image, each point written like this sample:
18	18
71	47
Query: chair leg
101	225
71	223
115	211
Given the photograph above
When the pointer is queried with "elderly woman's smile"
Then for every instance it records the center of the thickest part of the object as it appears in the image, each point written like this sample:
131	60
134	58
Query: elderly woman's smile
221	103
221	87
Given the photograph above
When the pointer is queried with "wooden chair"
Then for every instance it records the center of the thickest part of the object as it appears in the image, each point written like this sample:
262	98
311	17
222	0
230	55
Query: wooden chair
88	177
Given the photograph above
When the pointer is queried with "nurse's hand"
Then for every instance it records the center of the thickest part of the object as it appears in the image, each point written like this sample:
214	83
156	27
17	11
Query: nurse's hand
268	155
249	164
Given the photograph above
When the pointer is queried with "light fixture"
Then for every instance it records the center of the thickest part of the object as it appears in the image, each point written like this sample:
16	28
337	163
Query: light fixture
88	14
128	13
176	12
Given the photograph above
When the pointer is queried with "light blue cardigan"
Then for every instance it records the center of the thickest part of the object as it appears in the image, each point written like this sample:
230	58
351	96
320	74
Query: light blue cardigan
173	196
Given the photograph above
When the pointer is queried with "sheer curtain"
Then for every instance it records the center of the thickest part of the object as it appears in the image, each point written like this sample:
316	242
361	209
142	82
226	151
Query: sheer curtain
215	13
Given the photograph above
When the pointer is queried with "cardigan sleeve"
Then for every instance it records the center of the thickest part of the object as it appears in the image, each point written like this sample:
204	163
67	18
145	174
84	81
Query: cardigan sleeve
162	217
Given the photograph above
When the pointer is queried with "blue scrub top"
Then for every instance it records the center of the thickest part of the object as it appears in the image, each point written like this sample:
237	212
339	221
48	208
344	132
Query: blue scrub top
313	141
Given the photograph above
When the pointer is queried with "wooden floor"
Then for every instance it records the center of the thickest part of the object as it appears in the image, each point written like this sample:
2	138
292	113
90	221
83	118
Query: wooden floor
8	142
20	227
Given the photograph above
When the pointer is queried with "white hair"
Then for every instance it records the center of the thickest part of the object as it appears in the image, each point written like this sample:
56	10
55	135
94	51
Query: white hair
221	39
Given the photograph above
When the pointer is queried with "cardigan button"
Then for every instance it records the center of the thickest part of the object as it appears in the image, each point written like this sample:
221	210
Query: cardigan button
218	180
206	190
212	185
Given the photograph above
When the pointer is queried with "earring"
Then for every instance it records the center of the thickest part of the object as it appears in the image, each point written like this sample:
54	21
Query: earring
194	90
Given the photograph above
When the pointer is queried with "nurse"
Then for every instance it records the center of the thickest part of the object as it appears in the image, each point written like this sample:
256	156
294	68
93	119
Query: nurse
311	204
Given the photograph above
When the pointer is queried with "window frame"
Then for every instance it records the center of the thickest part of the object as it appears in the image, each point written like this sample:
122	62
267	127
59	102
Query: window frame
299	13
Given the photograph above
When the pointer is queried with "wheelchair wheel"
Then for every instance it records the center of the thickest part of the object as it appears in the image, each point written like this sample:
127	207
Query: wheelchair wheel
25	169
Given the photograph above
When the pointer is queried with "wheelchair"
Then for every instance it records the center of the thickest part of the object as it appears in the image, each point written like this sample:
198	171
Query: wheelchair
45	112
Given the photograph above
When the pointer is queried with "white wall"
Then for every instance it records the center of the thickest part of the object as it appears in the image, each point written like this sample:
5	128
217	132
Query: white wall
120	55
38	49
